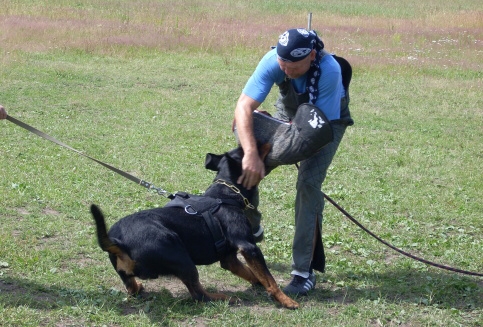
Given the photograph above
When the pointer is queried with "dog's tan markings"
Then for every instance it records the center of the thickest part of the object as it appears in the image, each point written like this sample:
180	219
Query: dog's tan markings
114	249
234	265
133	287
222	297
124	262
264	150
267	280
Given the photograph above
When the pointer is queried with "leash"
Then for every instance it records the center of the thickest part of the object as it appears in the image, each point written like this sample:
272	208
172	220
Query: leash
168	195
213	225
141	182
395	248
392	246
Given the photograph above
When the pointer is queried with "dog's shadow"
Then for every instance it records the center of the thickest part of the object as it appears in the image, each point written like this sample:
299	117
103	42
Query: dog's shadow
164	297
157	306
447	290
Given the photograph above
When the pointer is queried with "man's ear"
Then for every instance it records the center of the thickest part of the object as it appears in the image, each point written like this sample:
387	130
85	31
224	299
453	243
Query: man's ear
313	54
212	161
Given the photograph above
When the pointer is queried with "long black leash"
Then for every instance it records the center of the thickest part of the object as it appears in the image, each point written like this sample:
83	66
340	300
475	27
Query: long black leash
395	248
164	193
392	246
136	180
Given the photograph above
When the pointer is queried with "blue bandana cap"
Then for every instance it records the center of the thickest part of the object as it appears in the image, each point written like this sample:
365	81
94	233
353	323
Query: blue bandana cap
296	44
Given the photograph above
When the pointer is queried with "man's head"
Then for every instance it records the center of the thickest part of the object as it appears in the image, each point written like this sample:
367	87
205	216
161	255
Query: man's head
296	49
295	44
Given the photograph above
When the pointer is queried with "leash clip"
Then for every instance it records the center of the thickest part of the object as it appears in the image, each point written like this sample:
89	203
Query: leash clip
158	190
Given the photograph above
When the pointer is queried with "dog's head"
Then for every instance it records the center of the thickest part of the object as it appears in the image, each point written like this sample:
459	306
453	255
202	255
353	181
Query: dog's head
229	165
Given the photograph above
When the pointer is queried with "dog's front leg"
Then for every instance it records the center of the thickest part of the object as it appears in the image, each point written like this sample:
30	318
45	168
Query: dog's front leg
258	266
233	264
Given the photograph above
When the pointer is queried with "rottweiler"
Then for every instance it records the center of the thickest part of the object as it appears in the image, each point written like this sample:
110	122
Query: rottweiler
173	240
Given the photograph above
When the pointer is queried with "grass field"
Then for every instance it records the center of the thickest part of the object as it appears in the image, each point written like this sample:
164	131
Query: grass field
150	87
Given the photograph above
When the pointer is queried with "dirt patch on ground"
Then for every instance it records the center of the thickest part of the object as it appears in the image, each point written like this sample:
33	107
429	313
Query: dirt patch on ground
22	293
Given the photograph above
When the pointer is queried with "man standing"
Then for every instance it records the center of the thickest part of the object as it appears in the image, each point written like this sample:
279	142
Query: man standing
305	73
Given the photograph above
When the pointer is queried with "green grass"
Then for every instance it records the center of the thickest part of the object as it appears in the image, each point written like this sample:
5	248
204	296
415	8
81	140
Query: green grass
142	87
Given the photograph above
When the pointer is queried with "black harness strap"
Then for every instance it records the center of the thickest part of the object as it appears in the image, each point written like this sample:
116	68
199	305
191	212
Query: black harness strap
215	229
204	206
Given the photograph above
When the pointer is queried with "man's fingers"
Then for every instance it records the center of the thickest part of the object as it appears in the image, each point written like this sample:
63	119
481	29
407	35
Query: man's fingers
248	179
241	179
253	172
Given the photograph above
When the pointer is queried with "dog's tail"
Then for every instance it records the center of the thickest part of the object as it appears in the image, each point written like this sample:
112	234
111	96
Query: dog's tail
123	264
102	238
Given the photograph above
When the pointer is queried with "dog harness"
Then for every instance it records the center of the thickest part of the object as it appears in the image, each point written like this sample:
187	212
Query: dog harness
204	206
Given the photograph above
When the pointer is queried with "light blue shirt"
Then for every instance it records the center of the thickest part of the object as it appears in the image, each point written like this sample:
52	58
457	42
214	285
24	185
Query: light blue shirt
268	73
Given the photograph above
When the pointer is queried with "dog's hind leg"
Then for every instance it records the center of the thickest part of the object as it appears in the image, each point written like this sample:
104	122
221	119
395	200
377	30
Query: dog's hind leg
123	264
258	266
124	267
132	286
190	277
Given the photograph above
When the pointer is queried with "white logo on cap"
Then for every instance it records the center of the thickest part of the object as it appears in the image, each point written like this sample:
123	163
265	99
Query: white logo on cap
283	39
300	52
303	31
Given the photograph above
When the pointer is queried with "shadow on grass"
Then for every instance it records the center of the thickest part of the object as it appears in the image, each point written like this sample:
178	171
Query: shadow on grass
157	305
425	288
402	286
34	295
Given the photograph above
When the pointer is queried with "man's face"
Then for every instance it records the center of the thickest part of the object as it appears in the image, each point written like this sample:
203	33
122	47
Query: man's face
296	69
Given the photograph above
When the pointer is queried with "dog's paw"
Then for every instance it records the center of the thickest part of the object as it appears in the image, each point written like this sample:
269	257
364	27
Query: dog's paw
286	301
135	289
291	304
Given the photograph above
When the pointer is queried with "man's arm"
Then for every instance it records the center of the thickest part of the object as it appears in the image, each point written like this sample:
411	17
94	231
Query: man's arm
253	166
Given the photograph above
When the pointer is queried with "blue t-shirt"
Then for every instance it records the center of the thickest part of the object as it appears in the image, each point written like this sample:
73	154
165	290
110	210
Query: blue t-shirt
268	73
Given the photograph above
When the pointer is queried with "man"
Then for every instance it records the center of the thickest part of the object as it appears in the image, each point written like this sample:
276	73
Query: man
304	73
3	112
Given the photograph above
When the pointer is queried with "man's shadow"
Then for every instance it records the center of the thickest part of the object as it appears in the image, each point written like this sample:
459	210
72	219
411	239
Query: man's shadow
446	289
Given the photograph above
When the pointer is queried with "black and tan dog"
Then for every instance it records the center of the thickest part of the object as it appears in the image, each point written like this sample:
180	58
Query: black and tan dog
173	240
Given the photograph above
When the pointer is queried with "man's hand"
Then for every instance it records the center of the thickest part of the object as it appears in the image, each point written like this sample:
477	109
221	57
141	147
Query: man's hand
253	170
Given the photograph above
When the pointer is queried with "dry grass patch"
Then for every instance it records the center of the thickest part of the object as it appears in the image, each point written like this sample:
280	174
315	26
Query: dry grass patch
451	39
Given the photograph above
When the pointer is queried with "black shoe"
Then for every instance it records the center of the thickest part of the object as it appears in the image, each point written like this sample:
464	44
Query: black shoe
258	234
300	285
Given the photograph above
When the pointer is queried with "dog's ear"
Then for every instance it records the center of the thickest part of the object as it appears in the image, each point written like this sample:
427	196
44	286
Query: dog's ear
263	150
212	161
